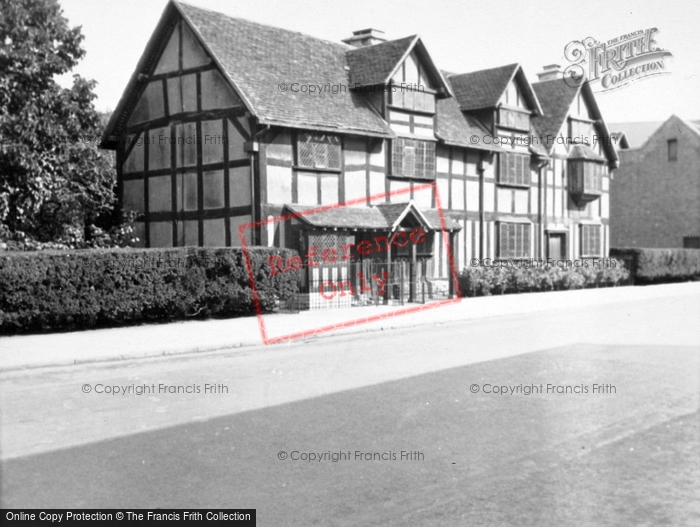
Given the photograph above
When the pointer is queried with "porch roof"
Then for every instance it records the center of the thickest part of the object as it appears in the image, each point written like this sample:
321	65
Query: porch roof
379	217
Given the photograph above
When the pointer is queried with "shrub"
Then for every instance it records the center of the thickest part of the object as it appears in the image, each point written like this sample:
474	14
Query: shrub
649	266
511	277
54	290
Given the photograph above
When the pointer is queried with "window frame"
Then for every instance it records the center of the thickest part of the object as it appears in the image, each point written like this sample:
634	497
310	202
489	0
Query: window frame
503	158
672	148
333	140
506	110
523	249
585	241
581	172
397	100
416	161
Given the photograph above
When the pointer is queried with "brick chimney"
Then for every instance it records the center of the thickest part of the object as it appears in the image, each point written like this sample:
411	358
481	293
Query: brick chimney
365	37
551	72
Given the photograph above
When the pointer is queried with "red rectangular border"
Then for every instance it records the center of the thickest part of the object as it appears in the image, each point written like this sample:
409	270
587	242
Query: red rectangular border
356	322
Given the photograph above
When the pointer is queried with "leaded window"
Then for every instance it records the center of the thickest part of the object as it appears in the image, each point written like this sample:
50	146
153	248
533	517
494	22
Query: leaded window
318	150
413	159
514	240
514	169
590	240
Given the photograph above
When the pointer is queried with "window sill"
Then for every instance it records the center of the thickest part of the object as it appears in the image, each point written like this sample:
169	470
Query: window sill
514	185
321	170
411	178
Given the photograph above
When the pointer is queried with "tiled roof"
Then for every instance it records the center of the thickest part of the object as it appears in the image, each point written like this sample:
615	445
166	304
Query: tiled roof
371	65
433	217
459	129
481	89
380	217
258	58
484	88
556	97
584	152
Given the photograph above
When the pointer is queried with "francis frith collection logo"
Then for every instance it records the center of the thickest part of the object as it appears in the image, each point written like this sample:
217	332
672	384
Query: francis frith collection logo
617	62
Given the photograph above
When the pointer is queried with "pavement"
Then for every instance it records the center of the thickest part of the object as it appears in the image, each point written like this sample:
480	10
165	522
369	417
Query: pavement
59	349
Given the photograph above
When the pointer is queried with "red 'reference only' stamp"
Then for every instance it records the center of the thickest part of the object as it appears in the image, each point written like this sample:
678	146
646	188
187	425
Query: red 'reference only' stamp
380	251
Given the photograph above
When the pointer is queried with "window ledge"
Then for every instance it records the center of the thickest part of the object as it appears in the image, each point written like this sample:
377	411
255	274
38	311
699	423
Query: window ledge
312	169
410	178
514	185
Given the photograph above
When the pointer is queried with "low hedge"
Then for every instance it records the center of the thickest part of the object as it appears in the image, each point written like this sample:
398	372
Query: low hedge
655	266
509	277
60	290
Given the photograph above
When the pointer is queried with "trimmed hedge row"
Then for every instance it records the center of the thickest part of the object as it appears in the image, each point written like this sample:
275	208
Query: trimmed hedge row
485	281
655	266
60	290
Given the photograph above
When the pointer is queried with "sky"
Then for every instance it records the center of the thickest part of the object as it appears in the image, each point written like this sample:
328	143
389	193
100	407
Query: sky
460	35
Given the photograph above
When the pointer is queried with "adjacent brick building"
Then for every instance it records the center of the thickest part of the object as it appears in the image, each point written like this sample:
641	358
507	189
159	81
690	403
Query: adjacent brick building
655	201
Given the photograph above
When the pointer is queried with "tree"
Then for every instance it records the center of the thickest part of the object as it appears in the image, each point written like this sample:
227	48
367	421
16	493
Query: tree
55	184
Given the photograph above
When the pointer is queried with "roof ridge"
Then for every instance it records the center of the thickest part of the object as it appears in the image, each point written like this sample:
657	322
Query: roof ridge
392	41
554	80
513	65
346	47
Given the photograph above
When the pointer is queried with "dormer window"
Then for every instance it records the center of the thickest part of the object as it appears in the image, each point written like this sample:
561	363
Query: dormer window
513	112
517	120
411	89
408	98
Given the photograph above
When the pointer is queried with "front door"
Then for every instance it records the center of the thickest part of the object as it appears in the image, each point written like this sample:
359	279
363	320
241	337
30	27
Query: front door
556	246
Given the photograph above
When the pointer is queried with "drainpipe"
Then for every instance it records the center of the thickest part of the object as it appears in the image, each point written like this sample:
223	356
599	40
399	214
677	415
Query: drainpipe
253	149
540	204
482	216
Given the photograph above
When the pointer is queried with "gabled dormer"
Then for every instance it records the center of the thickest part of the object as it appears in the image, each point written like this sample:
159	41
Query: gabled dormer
396	74
499	97
573	127
513	109
401	81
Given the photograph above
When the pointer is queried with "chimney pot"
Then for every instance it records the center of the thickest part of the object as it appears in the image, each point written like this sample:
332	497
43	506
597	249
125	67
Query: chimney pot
550	72
365	37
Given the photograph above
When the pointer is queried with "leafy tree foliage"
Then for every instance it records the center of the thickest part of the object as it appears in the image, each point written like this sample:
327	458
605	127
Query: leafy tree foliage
55	185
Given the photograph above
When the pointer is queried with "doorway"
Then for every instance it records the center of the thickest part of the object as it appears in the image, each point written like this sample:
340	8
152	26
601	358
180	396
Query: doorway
556	245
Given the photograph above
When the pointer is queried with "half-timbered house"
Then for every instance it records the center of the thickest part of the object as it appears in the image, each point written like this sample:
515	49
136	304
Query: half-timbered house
228	122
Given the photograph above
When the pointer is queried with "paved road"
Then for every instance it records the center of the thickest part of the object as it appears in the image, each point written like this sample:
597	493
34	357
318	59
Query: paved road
628	456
